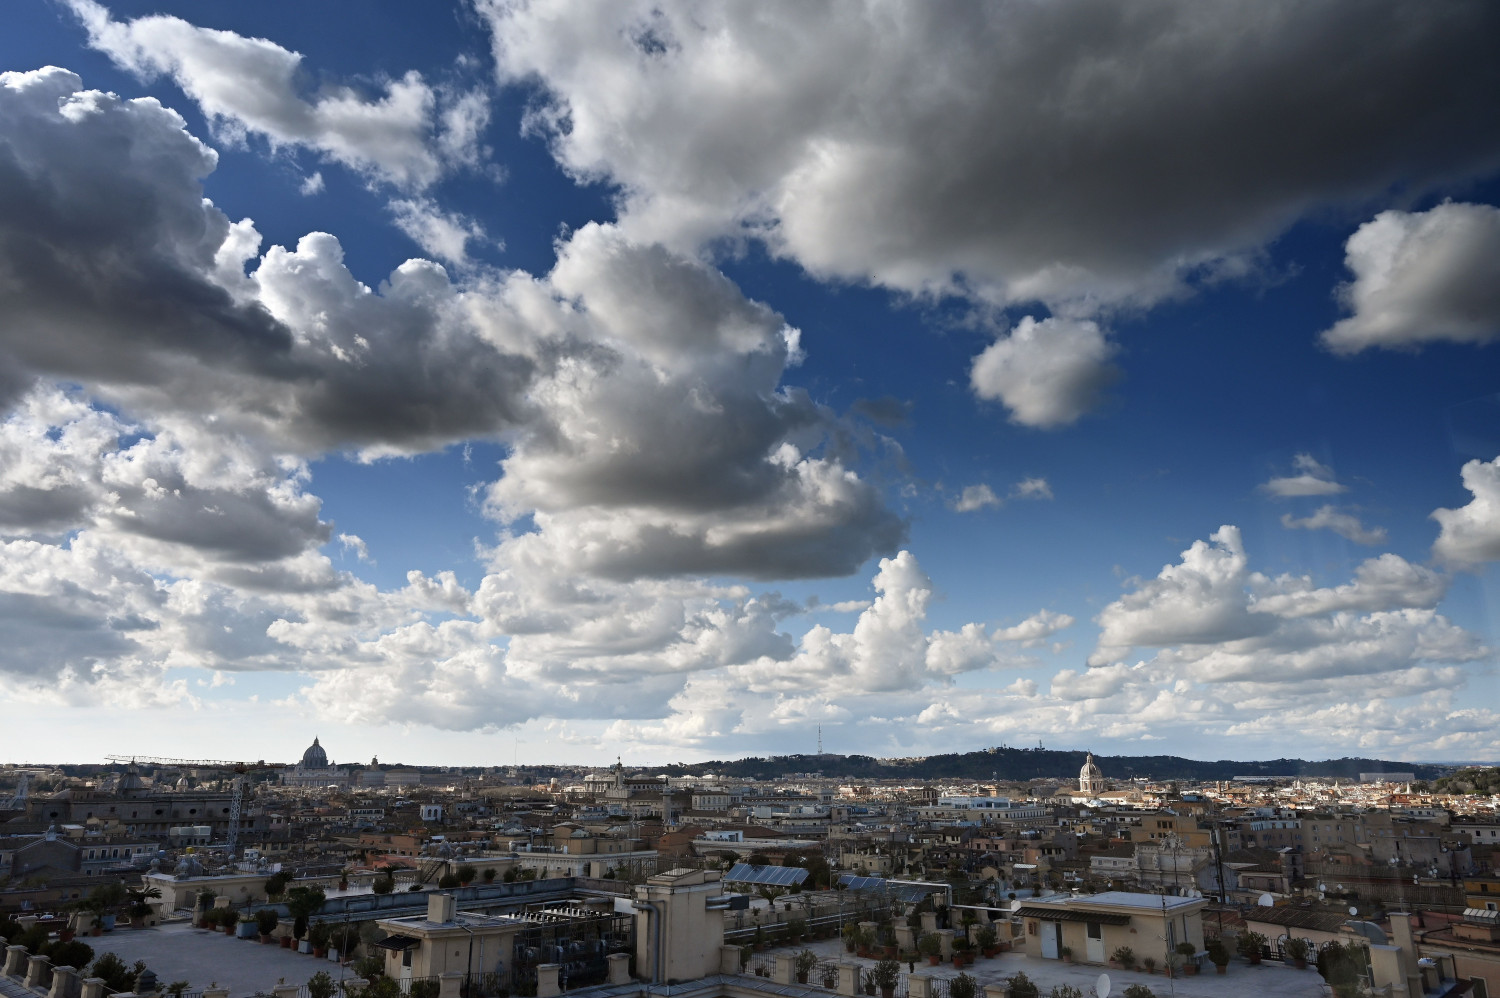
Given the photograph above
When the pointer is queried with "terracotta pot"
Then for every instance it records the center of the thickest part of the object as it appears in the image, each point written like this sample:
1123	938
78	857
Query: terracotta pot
286	942
320	952
887	992
801	977
933	961
266	938
1300	964
1221	967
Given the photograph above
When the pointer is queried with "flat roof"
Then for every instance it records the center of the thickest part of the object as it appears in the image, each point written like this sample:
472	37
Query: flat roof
1120	899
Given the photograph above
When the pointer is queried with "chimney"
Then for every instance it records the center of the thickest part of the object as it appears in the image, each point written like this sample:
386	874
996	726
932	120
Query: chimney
441	907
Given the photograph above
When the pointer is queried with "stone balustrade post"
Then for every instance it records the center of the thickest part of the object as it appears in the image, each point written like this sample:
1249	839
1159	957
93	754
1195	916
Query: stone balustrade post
945	937
218	992
996	991
92	987
38	972
783	968
64	983
929	921
15	961
285	990
919	986
450	985
848	979
619	964
906	938
546	980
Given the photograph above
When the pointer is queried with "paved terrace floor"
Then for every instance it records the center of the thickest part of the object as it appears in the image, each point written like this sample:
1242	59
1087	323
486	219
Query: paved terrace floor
179	952
1266	980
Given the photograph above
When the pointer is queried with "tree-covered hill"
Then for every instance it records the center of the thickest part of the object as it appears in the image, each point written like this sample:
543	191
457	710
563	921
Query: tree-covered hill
1034	764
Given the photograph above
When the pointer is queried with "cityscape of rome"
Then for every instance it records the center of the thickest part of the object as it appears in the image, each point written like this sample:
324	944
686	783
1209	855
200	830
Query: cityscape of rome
750	499
127	875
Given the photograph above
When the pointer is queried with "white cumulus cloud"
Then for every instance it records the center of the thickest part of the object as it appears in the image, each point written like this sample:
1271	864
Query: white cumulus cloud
1470	535
1047	373
1422	277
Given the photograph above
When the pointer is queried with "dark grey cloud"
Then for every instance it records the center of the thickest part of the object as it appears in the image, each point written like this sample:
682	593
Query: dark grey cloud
1082	151
115	273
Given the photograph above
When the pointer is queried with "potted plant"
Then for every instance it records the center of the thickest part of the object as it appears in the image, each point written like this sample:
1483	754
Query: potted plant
321	985
1218	953
1123	957
931	947
866	939
1296	950
303	903
1066	952
851	937
1250	945
1139	991
803	963
1189	954
140	909
317	936
745	952
987	940
869	982
466	874
963	986
887	973
1020	986
830	978
343	942
1149	962
245	926
266	920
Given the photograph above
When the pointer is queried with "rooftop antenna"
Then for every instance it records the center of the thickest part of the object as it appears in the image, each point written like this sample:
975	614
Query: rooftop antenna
820	739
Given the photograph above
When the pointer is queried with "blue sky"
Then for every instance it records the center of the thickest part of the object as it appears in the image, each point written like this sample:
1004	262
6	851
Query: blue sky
546	383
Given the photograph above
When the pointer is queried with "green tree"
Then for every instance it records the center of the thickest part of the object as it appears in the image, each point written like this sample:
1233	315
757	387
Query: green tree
70	954
112	970
277	884
321	985
303	903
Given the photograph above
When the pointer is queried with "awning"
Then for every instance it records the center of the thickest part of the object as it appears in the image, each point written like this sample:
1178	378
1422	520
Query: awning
398	943
1051	914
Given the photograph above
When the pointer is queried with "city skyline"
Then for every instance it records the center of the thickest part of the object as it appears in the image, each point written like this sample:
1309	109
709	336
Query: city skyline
540	383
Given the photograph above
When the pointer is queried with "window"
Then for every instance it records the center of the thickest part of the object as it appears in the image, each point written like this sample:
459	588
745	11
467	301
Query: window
1095	930
1481	990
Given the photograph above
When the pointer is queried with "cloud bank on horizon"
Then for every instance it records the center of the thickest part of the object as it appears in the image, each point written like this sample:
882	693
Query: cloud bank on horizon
945	317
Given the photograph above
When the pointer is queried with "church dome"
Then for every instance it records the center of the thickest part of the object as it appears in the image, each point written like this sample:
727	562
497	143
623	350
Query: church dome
315	757
1090	777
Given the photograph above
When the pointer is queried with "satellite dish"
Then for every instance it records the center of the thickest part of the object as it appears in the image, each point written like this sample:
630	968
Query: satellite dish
1322	887
1015	905
1266	901
1353	910
1101	986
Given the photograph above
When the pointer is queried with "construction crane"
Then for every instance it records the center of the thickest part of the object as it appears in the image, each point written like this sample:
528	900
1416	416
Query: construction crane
236	802
18	802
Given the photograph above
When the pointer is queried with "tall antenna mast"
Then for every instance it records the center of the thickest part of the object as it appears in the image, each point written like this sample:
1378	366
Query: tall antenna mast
820	739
